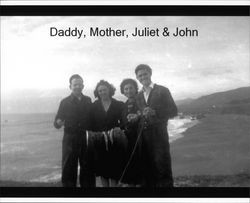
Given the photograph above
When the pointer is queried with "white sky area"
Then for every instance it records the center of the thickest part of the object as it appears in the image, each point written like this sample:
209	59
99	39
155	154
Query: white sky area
216	60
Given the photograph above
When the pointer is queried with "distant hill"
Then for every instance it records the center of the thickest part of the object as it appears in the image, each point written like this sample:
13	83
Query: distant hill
232	101
47	101
184	101
32	101
38	101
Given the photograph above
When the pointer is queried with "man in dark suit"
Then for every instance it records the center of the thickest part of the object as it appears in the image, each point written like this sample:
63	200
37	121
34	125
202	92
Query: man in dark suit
73	114
157	106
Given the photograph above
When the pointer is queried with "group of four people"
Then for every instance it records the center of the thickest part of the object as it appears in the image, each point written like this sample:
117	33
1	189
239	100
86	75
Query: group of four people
120	142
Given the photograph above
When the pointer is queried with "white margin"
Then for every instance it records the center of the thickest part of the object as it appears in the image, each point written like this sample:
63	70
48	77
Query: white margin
128	2
130	200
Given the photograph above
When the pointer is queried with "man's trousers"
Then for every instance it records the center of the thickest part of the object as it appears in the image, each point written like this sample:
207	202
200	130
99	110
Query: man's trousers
75	155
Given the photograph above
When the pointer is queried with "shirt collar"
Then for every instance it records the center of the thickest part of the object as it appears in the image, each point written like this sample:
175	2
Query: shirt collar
151	86
72	96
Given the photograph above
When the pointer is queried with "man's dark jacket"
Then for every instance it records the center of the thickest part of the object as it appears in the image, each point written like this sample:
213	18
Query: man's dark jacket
154	137
75	113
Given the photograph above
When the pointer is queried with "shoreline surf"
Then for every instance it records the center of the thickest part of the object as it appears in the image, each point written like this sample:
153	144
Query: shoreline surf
22	135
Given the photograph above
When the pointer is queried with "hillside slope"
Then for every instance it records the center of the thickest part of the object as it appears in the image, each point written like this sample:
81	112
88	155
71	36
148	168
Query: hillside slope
233	101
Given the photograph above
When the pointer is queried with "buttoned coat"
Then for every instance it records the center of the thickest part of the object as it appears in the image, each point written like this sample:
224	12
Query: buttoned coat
154	137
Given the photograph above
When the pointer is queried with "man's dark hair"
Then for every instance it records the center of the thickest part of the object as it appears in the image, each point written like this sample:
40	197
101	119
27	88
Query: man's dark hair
128	81
75	76
108	85
143	67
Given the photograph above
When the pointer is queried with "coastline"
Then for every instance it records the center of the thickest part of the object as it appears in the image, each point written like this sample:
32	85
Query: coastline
218	145
212	152
21	143
177	127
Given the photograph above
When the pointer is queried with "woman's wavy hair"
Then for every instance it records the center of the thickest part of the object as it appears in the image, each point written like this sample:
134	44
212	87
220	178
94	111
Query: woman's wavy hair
128	81
108	85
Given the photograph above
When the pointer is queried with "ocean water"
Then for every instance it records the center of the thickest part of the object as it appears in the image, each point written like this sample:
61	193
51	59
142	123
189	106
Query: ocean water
178	126
31	147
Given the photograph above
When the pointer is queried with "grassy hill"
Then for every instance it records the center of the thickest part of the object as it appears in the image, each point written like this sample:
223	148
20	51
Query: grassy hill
235	101
217	145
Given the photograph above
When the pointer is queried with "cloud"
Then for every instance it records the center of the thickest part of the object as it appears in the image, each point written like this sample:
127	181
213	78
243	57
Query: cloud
220	53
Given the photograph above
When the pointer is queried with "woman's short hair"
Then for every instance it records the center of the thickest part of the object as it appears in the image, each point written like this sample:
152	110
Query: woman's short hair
143	67
128	81
110	87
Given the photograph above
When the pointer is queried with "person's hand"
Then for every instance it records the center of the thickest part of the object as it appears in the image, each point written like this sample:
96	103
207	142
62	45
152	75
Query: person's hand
132	117
60	123
117	129
148	112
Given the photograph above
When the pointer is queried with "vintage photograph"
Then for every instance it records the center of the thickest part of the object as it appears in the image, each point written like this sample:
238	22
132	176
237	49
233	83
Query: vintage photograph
125	101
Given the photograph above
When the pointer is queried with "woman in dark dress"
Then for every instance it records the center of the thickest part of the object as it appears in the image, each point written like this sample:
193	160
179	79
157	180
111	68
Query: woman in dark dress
130	118
106	116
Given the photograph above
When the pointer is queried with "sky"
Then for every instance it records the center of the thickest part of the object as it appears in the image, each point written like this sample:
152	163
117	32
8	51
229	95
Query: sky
216	60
